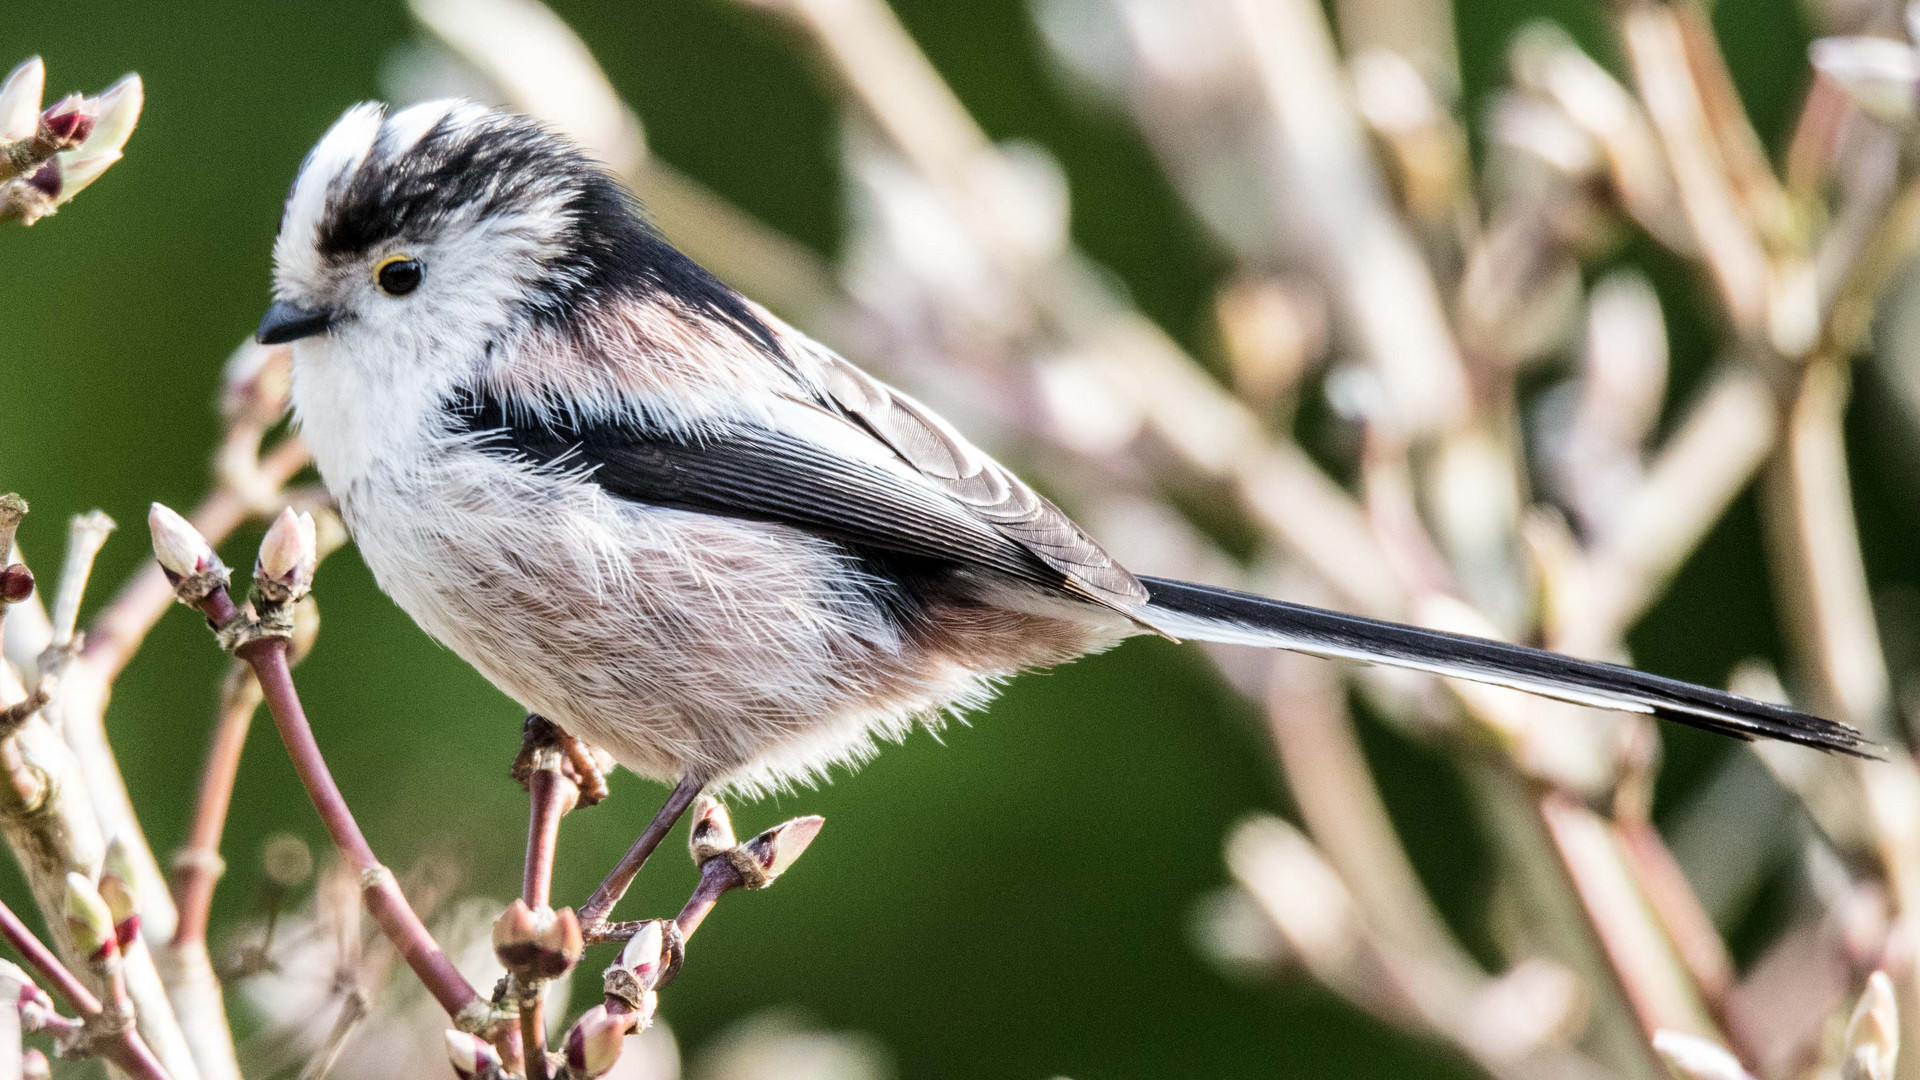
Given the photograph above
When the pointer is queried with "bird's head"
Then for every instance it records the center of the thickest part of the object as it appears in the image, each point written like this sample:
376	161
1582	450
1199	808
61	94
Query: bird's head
433	230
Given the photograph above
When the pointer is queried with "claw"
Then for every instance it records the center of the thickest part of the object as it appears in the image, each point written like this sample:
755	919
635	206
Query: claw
544	745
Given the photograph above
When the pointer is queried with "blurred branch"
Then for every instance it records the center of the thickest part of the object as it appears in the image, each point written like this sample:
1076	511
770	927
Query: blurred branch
1373	267
1710	458
48	821
1327	773
544	70
192	984
1657	48
1809	512
1511	1027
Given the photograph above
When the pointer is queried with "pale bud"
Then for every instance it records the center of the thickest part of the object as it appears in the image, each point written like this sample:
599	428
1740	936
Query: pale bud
1695	1058
117	888
89	920
70	120
1880	75
20	100
32	1003
776	849
537	943
712	833
116	112
641	956
182	551
288	555
256	382
472	1057
593	1045
35	1066
1873	1034
18	986
12	976
1272	332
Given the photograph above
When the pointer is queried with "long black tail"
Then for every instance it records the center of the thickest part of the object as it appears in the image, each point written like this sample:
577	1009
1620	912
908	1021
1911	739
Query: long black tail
1236	618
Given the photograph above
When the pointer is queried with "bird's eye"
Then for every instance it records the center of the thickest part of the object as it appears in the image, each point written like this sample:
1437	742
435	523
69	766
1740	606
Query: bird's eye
398	275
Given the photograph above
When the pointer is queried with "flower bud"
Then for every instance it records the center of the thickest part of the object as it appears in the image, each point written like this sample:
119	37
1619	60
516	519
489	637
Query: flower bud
777	848
16	583
182	551
593	1045
256	382
1873	1034
712	833
32	1003
89	920
1880	75
12	978
537	943
18	987
70	119
20	100
36	1011
117	888
116	112
642	955
47	180
472	1057
288	555
1695	1058
35	1066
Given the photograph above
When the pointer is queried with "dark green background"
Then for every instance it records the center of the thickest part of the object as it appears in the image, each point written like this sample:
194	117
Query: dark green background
1008	901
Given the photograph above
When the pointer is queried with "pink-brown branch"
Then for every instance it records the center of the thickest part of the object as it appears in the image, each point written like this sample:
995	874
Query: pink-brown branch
124	1047
197	865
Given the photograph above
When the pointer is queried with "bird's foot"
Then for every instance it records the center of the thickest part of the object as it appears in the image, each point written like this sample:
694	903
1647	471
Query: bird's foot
544	745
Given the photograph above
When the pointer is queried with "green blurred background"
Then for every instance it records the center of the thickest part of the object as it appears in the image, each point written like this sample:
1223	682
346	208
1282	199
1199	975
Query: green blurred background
1010	900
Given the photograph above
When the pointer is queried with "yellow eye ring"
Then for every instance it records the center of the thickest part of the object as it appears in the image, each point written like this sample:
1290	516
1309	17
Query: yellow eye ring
398	275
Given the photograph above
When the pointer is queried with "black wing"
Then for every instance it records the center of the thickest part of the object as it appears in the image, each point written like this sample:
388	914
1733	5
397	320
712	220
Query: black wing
758	474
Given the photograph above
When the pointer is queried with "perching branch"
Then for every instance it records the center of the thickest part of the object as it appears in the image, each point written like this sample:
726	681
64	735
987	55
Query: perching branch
261	638
112	1037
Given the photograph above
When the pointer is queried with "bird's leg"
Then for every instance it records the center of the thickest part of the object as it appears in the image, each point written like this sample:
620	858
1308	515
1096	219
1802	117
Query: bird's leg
585	765
593	913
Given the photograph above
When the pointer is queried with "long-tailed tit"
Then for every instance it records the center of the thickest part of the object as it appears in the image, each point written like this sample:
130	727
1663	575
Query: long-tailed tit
652	512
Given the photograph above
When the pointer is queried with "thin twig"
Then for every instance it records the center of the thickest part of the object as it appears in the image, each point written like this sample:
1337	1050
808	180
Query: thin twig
379	890
1657	48
122	1044
197	866
593	913
551	794
354	1010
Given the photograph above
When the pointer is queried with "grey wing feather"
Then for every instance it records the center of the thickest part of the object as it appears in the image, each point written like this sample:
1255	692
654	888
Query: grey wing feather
985	487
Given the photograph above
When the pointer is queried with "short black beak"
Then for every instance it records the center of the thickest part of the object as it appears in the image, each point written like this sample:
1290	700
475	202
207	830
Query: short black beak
286	322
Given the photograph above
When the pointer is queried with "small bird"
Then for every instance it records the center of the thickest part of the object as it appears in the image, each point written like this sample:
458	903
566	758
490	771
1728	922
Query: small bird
651	512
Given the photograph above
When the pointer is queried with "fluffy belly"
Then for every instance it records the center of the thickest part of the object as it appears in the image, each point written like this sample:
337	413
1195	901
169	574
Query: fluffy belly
751	654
